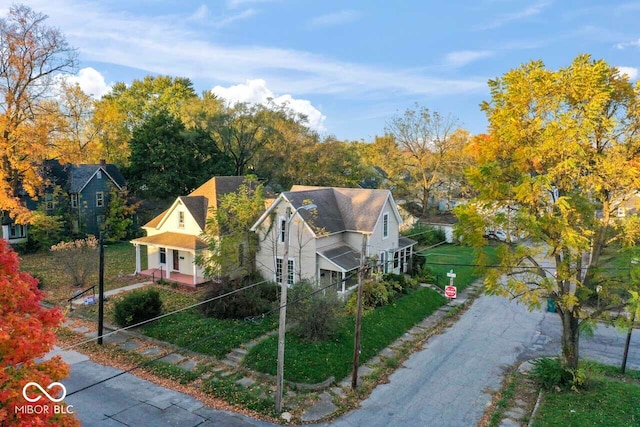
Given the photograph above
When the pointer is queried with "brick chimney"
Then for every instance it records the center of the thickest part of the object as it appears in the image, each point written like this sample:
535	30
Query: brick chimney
103	162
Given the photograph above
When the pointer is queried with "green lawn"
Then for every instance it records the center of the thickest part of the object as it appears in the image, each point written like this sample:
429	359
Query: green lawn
313	362
187	327
605	402
120	261
461	259
614	265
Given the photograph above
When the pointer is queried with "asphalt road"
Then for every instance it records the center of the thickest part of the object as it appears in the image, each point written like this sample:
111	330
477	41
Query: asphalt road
449	383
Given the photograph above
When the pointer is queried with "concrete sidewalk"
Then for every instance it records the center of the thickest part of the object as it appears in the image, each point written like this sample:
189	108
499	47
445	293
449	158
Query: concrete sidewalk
130	401
107	294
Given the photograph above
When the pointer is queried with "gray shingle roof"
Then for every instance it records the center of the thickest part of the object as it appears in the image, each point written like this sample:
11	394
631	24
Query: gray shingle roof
405	242
342	255
197	206
339	209
79	175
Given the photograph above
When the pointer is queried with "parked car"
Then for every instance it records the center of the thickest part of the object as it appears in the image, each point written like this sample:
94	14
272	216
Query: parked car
496	235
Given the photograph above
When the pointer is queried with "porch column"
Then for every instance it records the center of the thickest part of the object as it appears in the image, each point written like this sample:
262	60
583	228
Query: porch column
168	270
195	271
342	281
138	263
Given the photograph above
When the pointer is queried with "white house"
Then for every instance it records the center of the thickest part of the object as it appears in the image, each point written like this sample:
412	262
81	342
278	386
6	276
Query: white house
325	243
173	237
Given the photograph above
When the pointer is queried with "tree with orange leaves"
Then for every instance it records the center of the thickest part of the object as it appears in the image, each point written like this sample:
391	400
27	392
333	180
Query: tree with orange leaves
31	55
27	332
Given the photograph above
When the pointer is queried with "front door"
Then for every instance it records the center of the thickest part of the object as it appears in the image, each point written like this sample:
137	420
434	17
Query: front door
176	260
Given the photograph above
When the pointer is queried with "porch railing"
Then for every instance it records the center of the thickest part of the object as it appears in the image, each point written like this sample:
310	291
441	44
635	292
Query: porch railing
78	294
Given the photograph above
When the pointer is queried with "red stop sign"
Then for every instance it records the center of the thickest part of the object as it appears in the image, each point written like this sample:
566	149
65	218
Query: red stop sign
450	291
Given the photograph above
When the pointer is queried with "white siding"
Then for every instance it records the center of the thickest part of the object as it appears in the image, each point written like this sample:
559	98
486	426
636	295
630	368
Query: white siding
376	241
302	246
172	223
325	241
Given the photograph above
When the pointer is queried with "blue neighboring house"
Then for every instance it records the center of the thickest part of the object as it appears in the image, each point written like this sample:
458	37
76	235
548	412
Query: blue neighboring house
80	190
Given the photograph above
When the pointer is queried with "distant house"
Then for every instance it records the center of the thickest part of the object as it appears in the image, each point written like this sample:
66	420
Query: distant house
173	238
325	243
82	191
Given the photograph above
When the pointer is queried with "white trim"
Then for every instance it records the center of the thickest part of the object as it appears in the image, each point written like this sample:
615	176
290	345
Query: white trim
342	270
273	205
281	230
94	174
168	213
290	271
385	233
382	257
101	193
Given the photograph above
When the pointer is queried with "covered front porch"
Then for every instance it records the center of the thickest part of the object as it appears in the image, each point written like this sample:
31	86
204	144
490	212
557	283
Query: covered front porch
157	274
171	257
338	265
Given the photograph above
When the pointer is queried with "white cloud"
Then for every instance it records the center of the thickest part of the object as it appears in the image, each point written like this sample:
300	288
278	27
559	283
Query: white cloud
515	16
91	82
201	13
632	72
168	45
463	57
245	14
333	19
633	43
234	4
256	92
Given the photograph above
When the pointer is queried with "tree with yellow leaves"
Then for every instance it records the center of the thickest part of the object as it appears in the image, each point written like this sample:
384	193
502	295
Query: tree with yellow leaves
31	54
560	158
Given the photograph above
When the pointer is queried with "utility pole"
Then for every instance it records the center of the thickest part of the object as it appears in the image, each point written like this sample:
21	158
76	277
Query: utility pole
356	343
627	343
283	306
101	290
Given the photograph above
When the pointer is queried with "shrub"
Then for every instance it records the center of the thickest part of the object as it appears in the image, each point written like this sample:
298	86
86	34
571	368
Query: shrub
138	306
374	294
246	303
77	259
550	374
396	283
317	315
425	234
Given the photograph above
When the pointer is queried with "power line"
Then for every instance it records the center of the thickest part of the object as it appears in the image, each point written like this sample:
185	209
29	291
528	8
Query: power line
179	310
193	344
167	314
517	266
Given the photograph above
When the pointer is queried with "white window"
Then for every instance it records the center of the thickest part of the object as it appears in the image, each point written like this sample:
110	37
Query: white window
290	271
48	202
163	255
621	212
282	222
74	200
385	225
99	199
99	174
181	219
17	231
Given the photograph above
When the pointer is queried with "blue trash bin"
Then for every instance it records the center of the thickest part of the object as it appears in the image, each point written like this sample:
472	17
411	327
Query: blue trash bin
551	306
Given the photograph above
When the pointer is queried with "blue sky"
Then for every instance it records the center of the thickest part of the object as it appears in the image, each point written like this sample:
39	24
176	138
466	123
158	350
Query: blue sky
349	65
